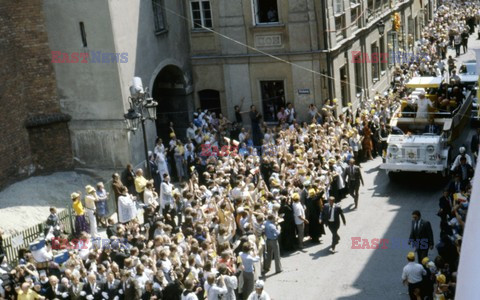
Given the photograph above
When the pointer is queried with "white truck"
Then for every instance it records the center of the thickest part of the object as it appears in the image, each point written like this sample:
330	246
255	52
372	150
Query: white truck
417	153
410	148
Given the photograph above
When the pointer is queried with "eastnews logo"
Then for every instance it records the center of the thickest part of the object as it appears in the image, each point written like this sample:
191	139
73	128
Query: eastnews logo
79	244
359	57
394	243
96	57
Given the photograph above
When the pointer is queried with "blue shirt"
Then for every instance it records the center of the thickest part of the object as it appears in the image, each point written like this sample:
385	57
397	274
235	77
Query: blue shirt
247	261
271	231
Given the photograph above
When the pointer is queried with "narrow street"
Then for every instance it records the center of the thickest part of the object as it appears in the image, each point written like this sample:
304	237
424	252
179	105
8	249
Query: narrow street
384	212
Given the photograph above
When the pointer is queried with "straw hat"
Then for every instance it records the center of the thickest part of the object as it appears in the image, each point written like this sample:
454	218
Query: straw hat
90	189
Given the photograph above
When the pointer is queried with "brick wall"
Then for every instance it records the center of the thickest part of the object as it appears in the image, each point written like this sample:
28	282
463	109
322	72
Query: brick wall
28	89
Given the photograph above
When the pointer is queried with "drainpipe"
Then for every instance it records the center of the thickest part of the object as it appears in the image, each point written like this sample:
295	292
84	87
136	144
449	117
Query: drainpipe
326	45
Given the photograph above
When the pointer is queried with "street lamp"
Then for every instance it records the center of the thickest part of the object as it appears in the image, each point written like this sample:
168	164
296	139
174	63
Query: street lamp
142	107
381	27
132	118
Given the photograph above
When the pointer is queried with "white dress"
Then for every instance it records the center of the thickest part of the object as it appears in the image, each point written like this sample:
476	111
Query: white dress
127	209
162	164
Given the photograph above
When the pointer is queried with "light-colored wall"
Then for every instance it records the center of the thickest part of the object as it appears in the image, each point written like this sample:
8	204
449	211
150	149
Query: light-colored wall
300	30
96	95
90	92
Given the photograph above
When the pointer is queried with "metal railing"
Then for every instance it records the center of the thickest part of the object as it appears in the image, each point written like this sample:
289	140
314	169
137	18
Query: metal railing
12	244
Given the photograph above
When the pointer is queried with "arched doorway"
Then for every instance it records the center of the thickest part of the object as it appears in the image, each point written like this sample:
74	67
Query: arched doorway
174	103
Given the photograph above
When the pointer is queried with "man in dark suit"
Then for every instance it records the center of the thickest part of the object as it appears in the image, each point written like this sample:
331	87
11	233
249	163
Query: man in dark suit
353	177
129	288
445	203
432	128
111	286
421	235
464	170
56	290
331	217
155	172
76	288
456	186
93	288
475	143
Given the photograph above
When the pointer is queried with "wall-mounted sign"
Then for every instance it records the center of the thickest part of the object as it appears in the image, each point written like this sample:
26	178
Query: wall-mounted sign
304	91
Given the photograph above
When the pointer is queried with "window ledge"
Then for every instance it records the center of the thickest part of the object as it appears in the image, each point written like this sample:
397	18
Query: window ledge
375	80
336	15
265	25
354	5
383	73
200	30
161	32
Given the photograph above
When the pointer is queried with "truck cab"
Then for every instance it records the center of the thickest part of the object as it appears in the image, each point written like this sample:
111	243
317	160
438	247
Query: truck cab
417	153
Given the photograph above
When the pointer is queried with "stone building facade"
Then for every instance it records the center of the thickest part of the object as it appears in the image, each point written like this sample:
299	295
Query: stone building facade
34	131
146	39
264	52
313	43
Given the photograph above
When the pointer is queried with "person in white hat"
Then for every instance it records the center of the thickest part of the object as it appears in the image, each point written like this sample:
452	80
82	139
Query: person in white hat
259	293
90	199
423	106
462	153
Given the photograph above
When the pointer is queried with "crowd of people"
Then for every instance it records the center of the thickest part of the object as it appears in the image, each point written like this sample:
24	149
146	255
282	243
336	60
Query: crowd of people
242	198
435	278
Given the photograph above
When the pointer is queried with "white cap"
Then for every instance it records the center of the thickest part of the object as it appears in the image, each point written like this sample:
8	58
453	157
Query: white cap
259	284
462	150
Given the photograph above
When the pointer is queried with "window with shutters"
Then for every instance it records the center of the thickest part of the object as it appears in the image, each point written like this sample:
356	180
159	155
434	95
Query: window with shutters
158	15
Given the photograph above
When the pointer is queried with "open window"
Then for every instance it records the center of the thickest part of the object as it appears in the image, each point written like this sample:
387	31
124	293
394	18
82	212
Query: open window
374	59
210	99
273	98
265	11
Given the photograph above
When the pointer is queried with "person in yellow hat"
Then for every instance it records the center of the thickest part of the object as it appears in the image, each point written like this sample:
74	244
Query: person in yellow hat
441	287
413	275
313	204
81	224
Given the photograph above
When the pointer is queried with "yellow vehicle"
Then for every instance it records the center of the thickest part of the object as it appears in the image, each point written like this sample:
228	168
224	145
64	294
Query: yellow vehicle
431	85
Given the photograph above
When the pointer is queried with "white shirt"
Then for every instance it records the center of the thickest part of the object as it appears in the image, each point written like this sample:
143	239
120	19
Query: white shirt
332	214
413	272
191	133
456	163
255	296
298	211
213	291
166	194
241	137
126	209
148	197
